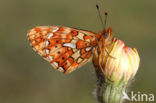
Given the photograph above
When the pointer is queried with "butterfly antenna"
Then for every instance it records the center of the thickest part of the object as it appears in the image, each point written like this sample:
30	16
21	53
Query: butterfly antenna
98	9
106	14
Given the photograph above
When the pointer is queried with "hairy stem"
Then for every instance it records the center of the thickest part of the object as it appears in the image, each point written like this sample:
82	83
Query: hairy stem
100	87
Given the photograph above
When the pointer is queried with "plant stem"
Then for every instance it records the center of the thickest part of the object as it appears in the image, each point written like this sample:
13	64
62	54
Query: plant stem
100	87
109	92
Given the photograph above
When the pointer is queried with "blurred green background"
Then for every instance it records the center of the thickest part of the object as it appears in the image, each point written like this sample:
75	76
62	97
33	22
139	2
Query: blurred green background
26	78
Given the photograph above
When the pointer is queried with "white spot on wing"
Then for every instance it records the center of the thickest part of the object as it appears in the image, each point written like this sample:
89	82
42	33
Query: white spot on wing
60	69
50	58
55	29
50	35
71	45
88	48
47	51
56	64
46	43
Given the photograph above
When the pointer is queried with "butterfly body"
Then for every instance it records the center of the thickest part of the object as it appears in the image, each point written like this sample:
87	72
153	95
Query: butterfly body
65	48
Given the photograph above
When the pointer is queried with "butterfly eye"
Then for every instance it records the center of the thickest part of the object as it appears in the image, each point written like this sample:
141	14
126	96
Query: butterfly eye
105	34
58	52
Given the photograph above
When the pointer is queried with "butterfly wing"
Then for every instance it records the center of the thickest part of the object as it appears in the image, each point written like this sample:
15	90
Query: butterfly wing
65	48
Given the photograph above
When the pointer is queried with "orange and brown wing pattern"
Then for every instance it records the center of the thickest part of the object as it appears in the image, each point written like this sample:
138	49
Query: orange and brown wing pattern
65	48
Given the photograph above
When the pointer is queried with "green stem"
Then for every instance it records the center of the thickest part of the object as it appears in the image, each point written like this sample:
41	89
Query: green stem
100	87
114	93
109	92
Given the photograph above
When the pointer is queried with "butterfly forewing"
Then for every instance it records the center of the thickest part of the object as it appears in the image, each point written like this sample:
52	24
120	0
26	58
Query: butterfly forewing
65	48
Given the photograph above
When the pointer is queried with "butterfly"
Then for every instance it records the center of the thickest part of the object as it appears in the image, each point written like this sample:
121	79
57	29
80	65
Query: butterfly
66	48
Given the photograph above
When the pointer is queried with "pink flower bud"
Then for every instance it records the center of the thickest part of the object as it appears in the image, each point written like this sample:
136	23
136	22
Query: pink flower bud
118	61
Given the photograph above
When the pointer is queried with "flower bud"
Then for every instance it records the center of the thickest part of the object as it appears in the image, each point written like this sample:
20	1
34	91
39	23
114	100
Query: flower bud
118	61
117	64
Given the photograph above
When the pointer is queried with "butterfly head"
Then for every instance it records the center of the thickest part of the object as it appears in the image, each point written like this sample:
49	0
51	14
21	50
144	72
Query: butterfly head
106	34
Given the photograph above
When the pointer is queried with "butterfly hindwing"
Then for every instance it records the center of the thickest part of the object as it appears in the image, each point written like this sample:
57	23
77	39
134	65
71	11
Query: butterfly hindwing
65	48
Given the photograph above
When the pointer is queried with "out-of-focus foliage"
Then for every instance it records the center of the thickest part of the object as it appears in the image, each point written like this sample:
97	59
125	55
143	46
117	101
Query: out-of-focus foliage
26	78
